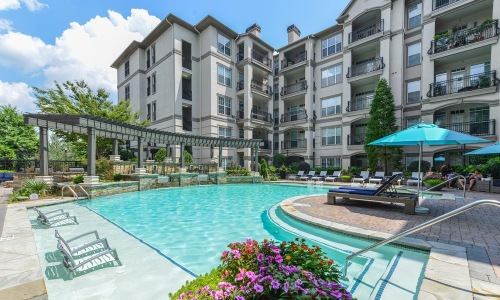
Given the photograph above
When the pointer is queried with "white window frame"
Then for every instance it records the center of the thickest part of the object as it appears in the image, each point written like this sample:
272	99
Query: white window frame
148	111
153	54
153	111
225	132
223	44
331	136
410	89
153	84
412	121
226	162
331	161
333	42
410	47
224	75
224	105
415	7
127	92
148	86
335	78
127	68
331	106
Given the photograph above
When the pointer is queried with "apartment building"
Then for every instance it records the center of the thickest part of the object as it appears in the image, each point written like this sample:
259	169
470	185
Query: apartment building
310	99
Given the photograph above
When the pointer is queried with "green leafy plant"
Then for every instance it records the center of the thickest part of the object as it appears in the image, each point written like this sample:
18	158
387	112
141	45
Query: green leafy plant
77	179
188	158
118	177
210	279
272	169
278	160
104	168
303	166
274	178
263	169
160	155
36	186
424	166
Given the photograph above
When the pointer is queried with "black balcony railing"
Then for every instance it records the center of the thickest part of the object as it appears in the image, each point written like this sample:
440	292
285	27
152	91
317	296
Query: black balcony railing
463	84
294	116
365	67
356	139
436	4
276	95
293	59
261	115
240	56
473	128
261	87
464	37
187	95
265	145
240	85
360	103
366	31
294	88
295	144
262	58
240	114
187	63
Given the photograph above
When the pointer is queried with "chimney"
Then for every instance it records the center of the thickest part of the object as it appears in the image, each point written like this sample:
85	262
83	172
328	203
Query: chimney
254	29
293	33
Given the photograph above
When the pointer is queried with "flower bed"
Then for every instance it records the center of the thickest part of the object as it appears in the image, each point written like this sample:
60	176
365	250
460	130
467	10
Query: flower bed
268	270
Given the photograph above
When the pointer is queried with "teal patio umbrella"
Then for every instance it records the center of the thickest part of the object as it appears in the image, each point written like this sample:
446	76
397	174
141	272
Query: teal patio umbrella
429	135
491	149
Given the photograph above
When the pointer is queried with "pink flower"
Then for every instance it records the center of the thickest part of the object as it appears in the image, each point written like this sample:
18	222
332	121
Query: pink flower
278	259
236	253
286	286
275	284
260	257
337	294
240	298
258	288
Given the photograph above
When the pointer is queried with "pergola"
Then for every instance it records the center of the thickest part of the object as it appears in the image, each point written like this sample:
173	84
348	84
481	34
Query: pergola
94	126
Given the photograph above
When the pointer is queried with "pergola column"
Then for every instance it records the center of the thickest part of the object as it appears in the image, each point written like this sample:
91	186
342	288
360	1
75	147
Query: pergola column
140	153
220	156
115	156
91	151
167	150
256	158
44	151
183	163
115	147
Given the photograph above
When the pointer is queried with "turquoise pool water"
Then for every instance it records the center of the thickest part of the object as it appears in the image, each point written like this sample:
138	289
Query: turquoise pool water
193	225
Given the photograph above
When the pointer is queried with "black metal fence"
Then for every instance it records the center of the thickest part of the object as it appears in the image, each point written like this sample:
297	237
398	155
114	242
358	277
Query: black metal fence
30	165
463	84
366	31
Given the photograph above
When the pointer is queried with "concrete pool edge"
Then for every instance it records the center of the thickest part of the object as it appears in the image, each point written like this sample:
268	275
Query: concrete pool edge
443	278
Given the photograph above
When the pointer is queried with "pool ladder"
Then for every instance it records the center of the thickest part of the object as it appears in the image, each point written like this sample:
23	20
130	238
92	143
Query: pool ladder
73	191
451	179
421	226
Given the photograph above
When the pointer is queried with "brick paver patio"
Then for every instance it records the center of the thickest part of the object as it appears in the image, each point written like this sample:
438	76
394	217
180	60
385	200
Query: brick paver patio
478	229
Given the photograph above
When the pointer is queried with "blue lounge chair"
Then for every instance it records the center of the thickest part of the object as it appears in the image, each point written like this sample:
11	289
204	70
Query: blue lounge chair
334	177
363	177
297	176
321	176
308	176
377	178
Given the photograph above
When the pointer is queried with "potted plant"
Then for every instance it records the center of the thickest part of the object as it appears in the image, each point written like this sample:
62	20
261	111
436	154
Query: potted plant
283	170
432	181
345	175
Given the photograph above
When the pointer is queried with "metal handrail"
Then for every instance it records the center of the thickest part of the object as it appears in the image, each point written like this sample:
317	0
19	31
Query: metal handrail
421	226
73	191
451	179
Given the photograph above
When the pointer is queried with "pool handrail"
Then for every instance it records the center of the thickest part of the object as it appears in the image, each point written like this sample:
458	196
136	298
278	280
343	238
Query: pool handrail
415	229
450	179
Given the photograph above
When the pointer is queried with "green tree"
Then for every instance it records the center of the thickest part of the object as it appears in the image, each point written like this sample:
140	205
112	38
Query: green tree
59	149
17	141
76	98
381	123
263	169
188	158
160	155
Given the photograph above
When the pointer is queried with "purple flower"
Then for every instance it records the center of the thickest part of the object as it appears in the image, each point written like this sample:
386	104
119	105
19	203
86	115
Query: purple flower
298	283
278	259
275	284
277	250
240	298
260	257
236	253
259	288
337	294
250	274
286	286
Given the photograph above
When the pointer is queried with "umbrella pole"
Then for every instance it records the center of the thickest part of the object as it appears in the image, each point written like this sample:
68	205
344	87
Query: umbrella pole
419	171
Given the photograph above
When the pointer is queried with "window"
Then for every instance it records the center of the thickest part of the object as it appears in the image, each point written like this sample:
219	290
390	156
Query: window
276	67
276	89
480	120
331	106
276	141
148	86
412	121
414	54
153	54
127	92
224	106
153	79
413	91
148	58
331	45
479	68
153	111
241	133
331	76
223	44
149	112
224	75
226	162
225	132
331	162
331	136
363	100
414	15
276	116
127	68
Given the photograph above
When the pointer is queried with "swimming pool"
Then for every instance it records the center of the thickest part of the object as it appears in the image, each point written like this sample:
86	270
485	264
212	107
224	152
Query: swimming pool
193	225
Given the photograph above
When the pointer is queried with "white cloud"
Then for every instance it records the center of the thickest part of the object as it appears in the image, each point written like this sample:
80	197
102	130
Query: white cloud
32	5
81	52
17	94
5	25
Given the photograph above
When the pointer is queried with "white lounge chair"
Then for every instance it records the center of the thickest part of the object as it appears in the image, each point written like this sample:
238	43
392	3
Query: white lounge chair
363	177
54	217
415	178
296	176
308	176
377	178
333	177
91	243
321	176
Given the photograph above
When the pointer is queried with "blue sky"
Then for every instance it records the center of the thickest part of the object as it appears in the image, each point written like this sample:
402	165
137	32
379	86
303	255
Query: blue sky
43	41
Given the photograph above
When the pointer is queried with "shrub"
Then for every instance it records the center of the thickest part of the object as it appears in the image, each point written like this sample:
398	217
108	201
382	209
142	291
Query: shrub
273	178
493	167
188	158
118	177
160	155
425	166
355	170
303	166
104	168
273	169
20	195
293	168
263	169
241	172
77	179
278	160
434	182
329	170
36	186
270	270
210	279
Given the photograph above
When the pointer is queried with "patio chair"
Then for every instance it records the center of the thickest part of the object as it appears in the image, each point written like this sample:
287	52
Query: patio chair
363	177
333	177
54	217
89	262
92	244
385	193
296	176
321	176
495	186
377	178
414	179
308	176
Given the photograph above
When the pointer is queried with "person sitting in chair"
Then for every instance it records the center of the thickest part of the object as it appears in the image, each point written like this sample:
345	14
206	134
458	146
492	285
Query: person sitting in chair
472	179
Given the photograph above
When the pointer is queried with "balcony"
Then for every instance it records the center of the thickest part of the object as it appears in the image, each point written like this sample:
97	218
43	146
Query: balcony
465	37
463	84
187	95
295	144
294	116
240	56
290	61
265	145
360	103
187	63
473	128
437	4
256	115
366	31
366	67
262	58
294	88
356	139
240	85
261	87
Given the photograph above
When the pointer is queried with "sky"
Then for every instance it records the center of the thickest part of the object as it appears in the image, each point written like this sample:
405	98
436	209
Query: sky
44	41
